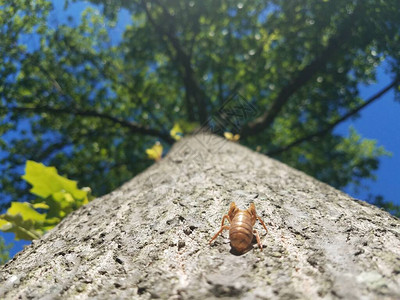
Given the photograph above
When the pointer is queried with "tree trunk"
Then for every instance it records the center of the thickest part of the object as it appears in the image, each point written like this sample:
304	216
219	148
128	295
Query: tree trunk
149	238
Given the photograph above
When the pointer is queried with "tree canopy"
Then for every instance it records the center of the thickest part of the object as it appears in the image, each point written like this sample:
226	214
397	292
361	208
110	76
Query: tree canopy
74	96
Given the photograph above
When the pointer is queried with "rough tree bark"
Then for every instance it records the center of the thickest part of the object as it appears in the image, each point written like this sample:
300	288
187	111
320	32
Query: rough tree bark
149	238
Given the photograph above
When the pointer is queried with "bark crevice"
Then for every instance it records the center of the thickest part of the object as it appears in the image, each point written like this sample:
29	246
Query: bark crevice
149	238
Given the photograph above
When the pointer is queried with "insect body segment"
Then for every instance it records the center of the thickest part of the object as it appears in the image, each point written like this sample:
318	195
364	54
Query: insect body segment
241	227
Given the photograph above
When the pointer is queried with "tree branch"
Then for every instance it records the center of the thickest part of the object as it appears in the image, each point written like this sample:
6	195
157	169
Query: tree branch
335	44
66	140
330	126
132	126
49	150
100	69
192	88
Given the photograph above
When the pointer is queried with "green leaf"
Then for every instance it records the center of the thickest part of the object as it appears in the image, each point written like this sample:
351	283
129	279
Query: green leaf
46	181
23	220
176	132
155	152
59	197
40	205
26	211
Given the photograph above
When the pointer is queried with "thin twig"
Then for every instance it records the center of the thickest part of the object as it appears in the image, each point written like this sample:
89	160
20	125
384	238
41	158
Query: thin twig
330	126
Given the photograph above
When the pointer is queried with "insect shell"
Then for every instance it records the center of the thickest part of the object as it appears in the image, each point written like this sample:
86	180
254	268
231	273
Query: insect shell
241	227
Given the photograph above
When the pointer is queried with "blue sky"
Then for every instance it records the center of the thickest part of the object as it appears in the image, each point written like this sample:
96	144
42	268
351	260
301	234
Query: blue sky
379	121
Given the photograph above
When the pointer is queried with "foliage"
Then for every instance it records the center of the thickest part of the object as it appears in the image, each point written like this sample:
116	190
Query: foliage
386	205
176	132
155	152
75	95
232	137
4	251
57	197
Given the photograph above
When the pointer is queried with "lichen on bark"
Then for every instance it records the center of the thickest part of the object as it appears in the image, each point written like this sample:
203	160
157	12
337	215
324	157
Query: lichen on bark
149	238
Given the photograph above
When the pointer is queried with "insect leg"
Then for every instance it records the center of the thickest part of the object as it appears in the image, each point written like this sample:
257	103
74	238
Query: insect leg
219	232
262	223
226	217
258	238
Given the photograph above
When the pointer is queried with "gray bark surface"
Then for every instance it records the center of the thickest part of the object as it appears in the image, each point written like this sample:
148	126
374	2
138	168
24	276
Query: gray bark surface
149	238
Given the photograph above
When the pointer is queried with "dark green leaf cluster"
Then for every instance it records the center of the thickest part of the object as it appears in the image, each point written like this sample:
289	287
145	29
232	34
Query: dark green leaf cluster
386	205
4	251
